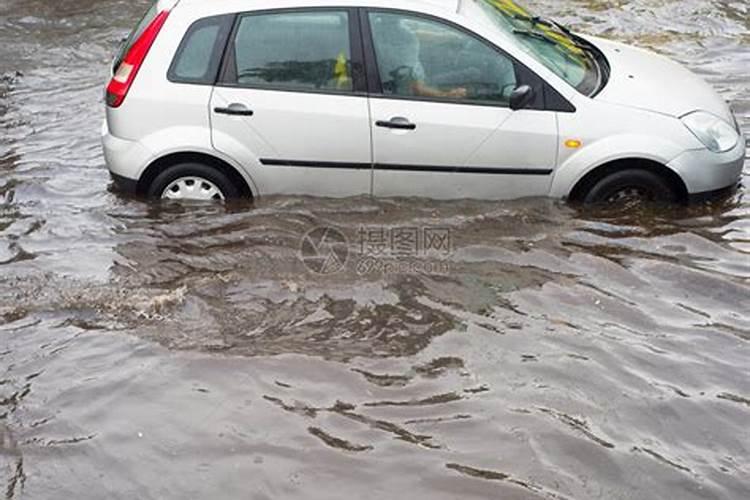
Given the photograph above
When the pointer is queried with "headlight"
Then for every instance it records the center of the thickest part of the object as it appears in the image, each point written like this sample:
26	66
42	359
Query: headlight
716	134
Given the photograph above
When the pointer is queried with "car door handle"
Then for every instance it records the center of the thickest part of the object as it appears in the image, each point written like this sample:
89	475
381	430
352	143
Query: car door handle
234	110
397	123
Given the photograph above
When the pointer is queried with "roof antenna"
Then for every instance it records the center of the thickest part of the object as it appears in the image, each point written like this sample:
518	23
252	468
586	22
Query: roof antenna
458	7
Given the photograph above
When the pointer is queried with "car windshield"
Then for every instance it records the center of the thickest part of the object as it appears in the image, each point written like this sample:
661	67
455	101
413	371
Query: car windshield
548	42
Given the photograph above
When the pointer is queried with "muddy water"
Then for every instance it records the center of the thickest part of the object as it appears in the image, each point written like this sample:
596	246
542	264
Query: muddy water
537	351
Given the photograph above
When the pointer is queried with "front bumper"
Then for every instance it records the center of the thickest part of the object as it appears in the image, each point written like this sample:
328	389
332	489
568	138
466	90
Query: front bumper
703	171
125	185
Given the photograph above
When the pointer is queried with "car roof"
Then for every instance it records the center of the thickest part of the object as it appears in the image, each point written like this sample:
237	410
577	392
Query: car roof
311	3
451	5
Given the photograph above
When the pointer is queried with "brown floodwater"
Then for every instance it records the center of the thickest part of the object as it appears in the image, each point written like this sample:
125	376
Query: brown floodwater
539	351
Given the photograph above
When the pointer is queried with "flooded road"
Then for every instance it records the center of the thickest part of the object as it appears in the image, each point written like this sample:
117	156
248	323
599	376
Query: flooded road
535	351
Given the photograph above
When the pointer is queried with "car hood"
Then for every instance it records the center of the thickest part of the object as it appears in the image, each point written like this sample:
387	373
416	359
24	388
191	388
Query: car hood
645	80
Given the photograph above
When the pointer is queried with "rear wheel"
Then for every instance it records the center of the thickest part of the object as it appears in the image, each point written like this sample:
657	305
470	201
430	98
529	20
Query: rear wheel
630	187
193	182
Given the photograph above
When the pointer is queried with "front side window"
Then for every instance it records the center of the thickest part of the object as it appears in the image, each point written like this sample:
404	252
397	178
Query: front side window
420	57
546	42
293	51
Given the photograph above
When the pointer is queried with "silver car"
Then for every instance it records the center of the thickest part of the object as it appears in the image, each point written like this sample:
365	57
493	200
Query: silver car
435	98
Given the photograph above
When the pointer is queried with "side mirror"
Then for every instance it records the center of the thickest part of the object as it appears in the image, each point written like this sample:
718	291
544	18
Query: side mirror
521	97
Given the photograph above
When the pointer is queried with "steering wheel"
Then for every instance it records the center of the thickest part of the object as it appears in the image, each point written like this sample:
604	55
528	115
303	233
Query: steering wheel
402	74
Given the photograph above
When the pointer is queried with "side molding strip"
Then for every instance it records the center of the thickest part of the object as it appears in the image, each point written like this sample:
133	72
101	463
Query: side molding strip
315	164
463	170
406	168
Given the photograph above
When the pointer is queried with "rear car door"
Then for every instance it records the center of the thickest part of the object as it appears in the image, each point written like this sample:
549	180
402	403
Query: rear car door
442	125
291	105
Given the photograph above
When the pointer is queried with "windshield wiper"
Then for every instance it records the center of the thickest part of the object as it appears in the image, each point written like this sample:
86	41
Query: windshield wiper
534	20
551	23
536	35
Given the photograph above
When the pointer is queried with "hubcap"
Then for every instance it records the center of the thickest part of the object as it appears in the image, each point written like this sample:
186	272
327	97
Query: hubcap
192	188
629	196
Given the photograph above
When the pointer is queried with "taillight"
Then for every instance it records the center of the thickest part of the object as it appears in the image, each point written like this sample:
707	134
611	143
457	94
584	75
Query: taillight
120	84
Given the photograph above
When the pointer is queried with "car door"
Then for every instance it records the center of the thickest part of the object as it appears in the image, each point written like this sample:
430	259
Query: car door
290	103
442	125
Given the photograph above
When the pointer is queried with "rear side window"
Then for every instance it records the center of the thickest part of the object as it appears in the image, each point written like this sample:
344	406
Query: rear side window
199	56
292	51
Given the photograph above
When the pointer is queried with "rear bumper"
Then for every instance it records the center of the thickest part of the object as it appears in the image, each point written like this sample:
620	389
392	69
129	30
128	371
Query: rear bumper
705	172
125	159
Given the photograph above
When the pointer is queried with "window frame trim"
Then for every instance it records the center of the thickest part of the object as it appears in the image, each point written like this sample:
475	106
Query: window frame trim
359	86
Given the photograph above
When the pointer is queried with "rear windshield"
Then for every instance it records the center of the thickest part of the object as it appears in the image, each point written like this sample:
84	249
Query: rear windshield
135	34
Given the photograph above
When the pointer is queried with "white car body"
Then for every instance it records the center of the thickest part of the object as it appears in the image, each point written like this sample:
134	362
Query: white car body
328	145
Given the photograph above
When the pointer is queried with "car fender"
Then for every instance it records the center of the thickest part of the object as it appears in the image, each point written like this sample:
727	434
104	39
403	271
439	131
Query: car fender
175	140
613	148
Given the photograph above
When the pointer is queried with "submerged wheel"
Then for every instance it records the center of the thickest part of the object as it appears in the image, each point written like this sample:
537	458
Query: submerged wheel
630	187
193	182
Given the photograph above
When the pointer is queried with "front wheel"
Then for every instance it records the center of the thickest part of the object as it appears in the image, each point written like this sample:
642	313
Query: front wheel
193	182
630	187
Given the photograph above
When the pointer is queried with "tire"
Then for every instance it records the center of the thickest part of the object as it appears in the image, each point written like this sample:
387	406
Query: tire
630	187
193	181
